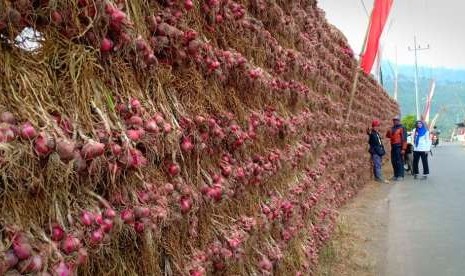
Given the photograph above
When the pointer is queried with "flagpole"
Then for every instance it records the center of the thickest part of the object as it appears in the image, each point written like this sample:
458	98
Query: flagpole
429	100
357	73
377	21
396	75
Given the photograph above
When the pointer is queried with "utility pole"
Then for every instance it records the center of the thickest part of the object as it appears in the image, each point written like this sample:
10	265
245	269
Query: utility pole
416	49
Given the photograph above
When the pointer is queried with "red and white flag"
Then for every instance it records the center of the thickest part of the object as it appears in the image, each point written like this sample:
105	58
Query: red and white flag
429	101
378	20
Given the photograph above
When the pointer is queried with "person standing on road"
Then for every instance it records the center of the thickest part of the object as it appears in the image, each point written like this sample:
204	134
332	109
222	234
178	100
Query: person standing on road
422	145
398	136
376	150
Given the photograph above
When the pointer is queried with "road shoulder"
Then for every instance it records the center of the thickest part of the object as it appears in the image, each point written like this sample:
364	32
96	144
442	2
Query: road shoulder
358	246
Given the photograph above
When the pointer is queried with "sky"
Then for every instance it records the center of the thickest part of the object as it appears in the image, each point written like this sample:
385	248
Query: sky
439	23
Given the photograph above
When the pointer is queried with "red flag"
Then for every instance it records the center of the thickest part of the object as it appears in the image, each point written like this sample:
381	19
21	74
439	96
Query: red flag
378	19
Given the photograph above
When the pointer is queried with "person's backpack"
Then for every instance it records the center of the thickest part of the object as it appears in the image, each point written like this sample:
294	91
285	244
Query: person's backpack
379	150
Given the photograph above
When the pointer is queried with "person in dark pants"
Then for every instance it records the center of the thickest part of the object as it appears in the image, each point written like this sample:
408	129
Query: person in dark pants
422	145
376	150
398	136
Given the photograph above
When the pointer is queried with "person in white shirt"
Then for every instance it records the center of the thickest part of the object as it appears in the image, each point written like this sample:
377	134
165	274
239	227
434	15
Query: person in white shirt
421	147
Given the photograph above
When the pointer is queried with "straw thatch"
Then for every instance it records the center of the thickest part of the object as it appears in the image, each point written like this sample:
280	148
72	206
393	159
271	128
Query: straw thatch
273	76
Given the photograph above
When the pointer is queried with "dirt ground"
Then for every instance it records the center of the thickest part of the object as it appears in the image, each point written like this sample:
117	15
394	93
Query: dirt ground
359	240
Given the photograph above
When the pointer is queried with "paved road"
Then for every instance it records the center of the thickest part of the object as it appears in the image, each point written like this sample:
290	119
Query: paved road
426	224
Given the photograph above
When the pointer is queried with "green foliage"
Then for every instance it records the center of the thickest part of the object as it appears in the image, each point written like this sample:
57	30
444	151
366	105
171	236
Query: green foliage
409	121
449	94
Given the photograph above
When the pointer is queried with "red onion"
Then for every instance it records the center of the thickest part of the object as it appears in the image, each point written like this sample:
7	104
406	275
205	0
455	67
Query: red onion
107	225
205	189
219	18
10	259
87	218
8	134
92	150
226	253
169	188
27	131
185	204
265	264
151	126
70	244
167	128
127	216
198	271
57	233
240	174
8	117
56	17
102	136
188	5
141	212
199	119
215	193
133	158
143	196
219	265
159	119
186	144
62	269
234	243
106	45
165	29
135	104
193	47
109	8
226	170
98	219
139	227
65	149
141	45
150	58
110	213
43	145
22	249
82	256
117	16
216	178
254	73
115	149
135	134
31	265
173	169
96	236
177	14
123	109
135	121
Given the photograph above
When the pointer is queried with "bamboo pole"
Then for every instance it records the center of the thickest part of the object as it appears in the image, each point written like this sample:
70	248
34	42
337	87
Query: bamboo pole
357	72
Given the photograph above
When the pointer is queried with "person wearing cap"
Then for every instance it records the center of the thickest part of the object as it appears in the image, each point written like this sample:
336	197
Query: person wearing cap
421	147
376	150
398	136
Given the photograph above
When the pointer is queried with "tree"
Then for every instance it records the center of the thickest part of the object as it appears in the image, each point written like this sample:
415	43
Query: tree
409	122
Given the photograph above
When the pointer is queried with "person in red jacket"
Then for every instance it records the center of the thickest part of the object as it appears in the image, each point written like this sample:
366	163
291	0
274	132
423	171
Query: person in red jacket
398	136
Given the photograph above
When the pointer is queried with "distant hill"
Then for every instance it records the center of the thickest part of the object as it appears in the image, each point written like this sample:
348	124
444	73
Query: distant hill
449	94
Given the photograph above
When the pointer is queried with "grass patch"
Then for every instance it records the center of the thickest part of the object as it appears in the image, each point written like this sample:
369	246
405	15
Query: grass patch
345	253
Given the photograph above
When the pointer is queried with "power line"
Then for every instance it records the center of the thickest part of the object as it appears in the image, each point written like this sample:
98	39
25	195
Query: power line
364	7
